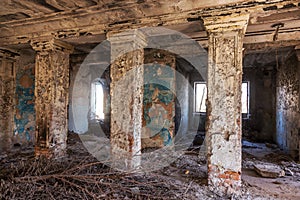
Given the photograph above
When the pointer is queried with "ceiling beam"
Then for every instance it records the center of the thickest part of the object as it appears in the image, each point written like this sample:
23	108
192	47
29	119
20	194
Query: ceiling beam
120	16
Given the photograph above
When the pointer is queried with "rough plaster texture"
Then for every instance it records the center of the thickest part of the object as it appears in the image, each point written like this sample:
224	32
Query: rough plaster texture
260	125
83	72
288	113
223	134
7	101
81	80
80	126
182	108
51	96
25	114
127	80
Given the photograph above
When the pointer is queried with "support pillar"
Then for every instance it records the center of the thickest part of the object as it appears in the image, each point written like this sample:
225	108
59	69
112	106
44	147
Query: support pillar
127	79
224	102
51	96
7	98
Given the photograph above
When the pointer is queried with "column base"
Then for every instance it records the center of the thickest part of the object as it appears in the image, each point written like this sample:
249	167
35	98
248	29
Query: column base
224	182
47	152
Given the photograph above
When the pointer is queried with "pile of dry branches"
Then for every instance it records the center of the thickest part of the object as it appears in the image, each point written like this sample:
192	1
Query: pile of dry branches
81	178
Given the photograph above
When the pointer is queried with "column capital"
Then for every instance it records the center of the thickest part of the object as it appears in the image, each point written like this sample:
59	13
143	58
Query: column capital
133	35
127	41
48	44
219	24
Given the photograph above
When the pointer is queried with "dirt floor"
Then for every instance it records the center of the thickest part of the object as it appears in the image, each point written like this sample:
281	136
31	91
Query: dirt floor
286	187
80	176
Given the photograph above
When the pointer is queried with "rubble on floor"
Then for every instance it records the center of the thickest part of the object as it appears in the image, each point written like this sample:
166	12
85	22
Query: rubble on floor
259	156
80	176
269	170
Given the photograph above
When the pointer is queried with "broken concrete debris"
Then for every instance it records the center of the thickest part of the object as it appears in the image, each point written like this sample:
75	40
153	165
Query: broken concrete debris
269	170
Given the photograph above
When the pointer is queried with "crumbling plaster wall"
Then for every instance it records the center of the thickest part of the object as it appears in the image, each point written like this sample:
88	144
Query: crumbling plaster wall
7	101
71	125
196	77
25	113
82	75
85	68
287	105
80	95
182	100
260	125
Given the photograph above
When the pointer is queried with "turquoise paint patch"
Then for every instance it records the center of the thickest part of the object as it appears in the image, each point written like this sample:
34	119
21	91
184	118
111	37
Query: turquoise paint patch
166	136
24	107
157	91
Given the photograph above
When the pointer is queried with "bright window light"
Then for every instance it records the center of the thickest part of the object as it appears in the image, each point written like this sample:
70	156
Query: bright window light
201	95
97	101
245	97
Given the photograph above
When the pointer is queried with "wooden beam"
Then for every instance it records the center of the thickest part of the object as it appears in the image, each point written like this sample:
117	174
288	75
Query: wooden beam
121	16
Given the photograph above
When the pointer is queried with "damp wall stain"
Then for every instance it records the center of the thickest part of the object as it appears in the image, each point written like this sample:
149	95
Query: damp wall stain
287	116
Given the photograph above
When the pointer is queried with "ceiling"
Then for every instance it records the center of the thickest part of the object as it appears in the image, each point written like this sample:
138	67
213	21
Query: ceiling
24	9
84	23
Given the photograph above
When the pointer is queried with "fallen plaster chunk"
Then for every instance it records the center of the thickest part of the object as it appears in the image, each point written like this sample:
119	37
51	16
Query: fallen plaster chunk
269	170
288	172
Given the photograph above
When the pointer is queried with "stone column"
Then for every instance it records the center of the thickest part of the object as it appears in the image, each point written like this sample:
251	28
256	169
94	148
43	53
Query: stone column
127	79
224	101
51	96
7	97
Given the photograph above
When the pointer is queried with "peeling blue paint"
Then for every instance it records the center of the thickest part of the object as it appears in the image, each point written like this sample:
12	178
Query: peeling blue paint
159	103
25	113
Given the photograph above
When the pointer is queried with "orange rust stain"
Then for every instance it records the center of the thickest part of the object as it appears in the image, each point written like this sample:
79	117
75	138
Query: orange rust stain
26	81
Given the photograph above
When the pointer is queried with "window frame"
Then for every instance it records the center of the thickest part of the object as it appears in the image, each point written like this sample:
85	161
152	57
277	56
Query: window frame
93	101
247	114
244	115
195	96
